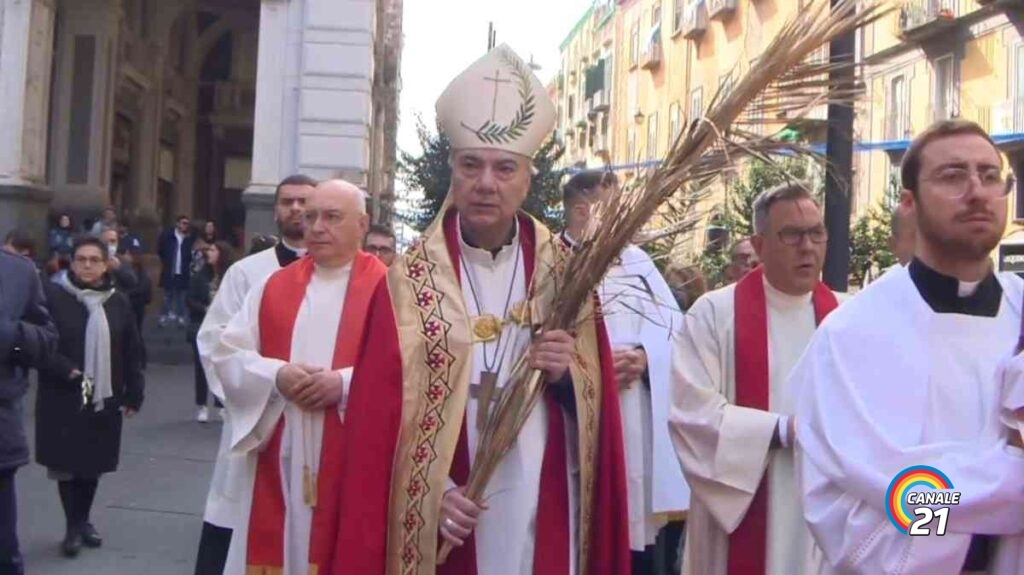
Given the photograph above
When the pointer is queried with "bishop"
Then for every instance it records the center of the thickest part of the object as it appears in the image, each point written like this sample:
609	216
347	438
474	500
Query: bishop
455	315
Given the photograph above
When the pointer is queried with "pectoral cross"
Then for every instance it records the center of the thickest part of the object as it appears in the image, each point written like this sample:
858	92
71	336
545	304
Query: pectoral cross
497	79
484	394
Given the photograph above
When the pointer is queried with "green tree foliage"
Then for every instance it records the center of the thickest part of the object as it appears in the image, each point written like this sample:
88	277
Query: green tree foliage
759	176
430	174
869	237
869	244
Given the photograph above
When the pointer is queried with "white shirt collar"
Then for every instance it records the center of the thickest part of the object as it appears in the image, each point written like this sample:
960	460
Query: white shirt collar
484	257
299	251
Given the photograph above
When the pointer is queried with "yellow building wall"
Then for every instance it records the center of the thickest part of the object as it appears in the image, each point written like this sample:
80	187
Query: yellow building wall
983	65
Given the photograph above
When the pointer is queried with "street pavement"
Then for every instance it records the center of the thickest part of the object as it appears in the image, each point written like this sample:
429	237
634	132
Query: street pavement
149	512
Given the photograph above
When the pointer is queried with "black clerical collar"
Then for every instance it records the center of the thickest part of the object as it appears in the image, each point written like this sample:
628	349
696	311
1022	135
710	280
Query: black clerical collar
285	255
941	292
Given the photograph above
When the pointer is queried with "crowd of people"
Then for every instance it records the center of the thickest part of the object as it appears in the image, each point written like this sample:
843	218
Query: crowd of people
756	428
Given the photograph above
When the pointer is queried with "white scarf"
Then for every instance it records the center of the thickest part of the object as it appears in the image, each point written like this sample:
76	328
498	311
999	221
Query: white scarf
97	339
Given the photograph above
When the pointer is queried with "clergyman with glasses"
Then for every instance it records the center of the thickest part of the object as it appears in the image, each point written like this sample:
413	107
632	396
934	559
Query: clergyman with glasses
380	241
908	374
732	410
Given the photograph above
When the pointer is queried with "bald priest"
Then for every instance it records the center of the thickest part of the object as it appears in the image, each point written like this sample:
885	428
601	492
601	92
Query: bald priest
444	333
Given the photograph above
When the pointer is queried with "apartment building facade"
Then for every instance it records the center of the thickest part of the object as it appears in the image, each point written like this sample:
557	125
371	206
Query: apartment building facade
937	59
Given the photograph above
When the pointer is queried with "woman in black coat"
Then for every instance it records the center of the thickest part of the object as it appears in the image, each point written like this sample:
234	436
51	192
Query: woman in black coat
93	378
203	285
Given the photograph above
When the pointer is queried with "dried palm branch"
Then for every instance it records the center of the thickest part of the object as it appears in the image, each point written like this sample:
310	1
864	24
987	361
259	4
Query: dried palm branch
782	81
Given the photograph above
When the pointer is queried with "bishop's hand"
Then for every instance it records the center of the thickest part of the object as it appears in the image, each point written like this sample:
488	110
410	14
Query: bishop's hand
292	378
552	352
459	516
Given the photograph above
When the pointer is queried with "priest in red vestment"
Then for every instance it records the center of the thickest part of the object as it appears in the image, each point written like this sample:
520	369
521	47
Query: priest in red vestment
285	362
443	335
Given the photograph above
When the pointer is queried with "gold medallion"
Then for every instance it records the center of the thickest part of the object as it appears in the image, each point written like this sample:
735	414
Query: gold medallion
486	328
520	314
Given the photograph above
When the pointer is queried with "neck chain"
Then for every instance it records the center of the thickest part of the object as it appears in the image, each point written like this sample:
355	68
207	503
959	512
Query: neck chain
489	366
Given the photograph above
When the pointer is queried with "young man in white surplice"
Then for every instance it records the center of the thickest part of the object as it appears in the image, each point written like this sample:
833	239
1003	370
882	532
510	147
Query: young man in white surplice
906	374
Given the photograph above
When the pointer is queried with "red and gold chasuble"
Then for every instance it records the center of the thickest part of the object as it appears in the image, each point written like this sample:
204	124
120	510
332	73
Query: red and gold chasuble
408	407
748	544
282	299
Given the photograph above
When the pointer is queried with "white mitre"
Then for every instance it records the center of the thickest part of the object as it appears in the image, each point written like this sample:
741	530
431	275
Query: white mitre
497	103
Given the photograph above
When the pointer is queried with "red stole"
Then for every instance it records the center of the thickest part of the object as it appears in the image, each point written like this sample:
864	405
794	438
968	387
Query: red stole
748	544
281	302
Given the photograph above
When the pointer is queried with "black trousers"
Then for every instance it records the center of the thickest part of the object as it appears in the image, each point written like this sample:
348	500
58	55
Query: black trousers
202	388
643	561
668	558
10	554
213	550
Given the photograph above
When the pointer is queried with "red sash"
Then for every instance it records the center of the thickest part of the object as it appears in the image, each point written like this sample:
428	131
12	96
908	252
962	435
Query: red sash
748	544
282	299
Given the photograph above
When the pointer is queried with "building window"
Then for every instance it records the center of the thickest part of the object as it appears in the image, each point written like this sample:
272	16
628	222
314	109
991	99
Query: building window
652	137
943	89
674	123
725	83
893	184
656	15
697	104
572	108
1018	95
634	45
899	113
677	16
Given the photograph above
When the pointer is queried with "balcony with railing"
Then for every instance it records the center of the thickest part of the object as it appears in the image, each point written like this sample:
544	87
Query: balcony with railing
695	19
721	8
653	53
599	101
1003	118
920	19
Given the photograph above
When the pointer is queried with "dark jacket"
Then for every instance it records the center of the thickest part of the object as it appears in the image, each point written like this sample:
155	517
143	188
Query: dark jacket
69	437
201	289
61	242
166	248
27	338
141	294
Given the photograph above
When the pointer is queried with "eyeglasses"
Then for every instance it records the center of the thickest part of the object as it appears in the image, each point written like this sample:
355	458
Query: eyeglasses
382	250
954	182
795	236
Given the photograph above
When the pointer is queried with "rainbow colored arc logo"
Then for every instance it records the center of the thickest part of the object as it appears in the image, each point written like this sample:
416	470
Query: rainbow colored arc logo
918	477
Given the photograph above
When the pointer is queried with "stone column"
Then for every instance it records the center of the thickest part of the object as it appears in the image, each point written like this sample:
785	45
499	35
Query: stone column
313	104
26	40
83	106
